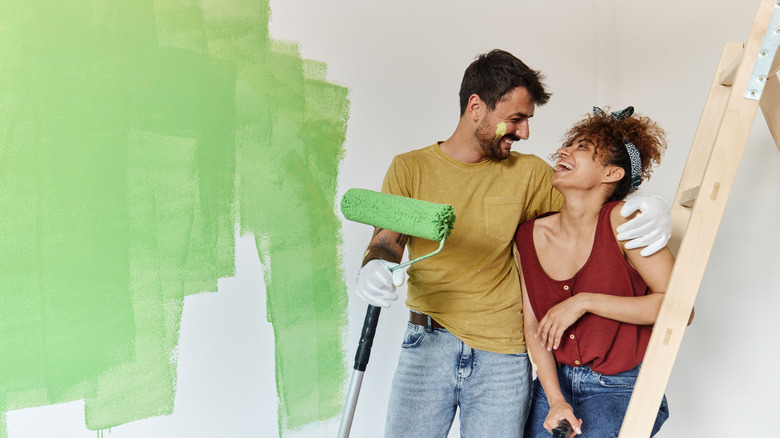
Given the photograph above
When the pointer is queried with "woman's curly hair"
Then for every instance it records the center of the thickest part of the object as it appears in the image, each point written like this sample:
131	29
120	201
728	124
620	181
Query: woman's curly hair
609	137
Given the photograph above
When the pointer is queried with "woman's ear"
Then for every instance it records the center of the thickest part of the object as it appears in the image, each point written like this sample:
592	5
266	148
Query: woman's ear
613	174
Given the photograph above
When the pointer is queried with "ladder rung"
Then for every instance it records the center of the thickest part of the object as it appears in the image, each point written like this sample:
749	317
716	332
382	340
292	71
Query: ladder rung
688	197
727	79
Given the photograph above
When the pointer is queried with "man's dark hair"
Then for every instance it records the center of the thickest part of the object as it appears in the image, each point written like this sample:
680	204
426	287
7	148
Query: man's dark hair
496	73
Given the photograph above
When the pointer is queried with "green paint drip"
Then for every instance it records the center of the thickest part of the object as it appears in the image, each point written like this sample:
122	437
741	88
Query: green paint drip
134	137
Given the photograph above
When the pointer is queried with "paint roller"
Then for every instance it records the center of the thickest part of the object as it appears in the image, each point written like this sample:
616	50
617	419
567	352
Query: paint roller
408	216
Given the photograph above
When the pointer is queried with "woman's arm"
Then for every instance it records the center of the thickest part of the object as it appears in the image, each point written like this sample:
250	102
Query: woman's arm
545	369
655	271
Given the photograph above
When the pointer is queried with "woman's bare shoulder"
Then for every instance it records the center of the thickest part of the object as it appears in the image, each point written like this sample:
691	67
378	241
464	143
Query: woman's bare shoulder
617	218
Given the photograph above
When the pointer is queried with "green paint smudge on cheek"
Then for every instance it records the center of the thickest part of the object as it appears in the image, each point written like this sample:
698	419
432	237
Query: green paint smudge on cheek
500	131
131	150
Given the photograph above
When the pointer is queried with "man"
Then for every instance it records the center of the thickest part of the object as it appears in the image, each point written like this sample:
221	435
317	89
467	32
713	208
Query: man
464	346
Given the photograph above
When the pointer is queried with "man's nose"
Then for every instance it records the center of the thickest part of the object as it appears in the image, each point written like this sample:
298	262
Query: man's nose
523	130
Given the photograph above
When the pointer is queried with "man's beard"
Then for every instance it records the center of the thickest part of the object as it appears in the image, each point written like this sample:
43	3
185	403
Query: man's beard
490	145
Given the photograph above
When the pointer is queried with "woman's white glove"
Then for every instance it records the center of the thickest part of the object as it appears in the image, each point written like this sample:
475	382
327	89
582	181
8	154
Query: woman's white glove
376	283
652	228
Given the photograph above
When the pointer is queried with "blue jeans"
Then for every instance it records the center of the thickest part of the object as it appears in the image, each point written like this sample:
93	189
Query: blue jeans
437	373
599	400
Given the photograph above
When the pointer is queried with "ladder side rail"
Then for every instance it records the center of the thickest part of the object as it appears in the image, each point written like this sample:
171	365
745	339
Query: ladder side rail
696	244
770	106
703	141
684	283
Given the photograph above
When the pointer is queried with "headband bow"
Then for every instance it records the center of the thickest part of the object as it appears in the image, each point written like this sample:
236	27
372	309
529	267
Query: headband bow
633	152
617	115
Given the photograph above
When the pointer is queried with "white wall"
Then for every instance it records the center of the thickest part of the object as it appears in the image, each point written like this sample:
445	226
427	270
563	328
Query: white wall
403	61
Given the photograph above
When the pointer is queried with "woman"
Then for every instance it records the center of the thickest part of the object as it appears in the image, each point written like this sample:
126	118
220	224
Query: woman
589	301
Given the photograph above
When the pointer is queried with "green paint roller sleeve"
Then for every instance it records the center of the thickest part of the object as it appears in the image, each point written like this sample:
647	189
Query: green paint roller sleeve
408	216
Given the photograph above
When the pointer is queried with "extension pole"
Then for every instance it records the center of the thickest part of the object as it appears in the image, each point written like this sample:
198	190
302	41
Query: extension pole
361	360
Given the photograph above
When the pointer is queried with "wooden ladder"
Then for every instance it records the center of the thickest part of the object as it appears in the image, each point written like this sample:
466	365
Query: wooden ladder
746	78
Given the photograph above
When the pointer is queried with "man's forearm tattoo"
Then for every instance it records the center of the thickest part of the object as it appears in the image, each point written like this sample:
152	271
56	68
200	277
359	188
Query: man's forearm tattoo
401	240
385	249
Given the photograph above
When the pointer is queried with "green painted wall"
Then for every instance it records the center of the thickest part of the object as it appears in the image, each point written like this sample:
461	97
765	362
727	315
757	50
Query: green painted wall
135	137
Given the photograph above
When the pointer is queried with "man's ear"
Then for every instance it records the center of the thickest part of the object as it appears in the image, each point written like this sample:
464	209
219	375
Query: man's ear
475	107
613	174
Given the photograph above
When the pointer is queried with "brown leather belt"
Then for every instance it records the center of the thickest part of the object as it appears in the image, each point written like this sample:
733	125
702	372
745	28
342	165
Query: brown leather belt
420	319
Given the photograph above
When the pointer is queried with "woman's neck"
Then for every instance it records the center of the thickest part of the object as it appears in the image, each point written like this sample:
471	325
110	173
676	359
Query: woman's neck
580	214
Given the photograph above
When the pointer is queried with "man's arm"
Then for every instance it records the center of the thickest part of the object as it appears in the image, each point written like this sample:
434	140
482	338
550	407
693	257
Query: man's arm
385	245
376	282
651	229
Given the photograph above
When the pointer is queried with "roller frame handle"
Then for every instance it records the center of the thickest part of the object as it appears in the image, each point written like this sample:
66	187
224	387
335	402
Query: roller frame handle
563	430
367	337
372	319
409	262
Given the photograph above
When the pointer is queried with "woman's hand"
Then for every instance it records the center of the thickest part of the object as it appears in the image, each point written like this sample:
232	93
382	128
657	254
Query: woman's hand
560	411
560	317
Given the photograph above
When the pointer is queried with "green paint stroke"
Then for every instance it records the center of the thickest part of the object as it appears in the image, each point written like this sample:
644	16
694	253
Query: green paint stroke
134	138
500	131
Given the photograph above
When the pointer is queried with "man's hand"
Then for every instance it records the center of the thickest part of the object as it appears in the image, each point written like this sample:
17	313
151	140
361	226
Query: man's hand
376	283
652	228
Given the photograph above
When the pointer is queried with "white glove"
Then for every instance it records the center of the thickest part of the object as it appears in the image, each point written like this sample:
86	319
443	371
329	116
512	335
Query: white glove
376	284
652	228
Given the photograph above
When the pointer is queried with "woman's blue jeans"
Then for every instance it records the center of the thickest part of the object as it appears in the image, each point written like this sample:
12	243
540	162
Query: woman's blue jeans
599	400
438	373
